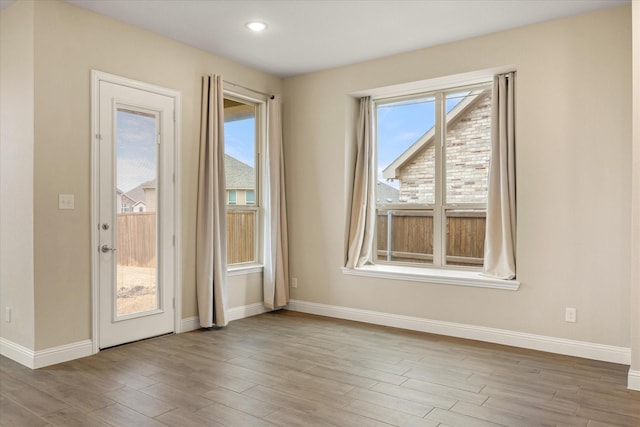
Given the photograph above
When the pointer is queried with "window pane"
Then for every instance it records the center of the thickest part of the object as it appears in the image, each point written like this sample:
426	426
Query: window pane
405	152
136	182
240	174
250	197
240	147
468	146
465	237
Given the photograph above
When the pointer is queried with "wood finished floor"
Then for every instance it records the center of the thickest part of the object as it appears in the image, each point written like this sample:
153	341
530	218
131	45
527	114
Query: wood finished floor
289	369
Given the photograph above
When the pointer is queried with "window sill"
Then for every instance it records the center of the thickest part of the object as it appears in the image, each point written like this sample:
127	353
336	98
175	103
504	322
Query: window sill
433	275
244	269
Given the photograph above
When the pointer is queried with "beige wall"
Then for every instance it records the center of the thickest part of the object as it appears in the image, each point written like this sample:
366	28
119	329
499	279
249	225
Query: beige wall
635	191
16	172
69	43
573	133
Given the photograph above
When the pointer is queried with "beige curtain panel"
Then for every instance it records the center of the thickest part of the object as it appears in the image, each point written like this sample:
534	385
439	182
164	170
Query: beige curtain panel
276	246
361	227
211	221
500	243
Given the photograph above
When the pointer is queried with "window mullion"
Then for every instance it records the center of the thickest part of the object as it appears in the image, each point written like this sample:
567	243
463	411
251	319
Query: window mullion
389	234
438	212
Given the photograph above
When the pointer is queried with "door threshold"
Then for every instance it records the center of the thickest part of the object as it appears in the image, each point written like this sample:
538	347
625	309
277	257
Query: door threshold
140	340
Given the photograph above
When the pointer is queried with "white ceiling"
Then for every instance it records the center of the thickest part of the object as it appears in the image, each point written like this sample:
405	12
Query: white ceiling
310	35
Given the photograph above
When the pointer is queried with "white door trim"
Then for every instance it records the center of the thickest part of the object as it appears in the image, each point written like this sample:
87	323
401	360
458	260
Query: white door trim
96	78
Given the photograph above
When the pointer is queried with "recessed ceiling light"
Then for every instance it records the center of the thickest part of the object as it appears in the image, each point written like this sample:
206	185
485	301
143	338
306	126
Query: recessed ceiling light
256	26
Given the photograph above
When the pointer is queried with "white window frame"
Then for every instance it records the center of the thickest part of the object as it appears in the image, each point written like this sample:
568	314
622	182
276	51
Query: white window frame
429	274
258	207
439	208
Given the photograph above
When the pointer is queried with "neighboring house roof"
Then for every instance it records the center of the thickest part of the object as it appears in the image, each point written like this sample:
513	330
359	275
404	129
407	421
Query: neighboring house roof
393	170
239	175
137	194
128	200
387	194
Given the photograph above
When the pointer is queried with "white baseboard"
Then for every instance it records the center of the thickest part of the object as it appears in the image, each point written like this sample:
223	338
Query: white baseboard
633	382
50	356
17	353
241	312
235	313
63	353
190	324
583	349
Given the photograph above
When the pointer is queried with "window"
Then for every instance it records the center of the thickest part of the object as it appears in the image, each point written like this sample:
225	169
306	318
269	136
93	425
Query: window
125	207
250	197
433	152
243	137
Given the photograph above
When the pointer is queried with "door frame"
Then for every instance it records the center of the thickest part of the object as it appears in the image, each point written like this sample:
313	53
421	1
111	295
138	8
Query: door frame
96	78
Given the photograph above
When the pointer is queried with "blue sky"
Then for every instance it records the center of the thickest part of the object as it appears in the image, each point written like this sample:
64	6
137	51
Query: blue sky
239	140
136	150
400	124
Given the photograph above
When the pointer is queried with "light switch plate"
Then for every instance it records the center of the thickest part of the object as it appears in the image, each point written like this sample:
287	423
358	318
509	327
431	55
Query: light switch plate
66	201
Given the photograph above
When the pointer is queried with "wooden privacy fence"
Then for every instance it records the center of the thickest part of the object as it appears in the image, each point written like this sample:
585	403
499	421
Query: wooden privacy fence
465	237
410	238
136	234
241	236
137	239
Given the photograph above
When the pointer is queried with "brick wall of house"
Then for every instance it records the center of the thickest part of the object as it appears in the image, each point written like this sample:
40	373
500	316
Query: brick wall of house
468	147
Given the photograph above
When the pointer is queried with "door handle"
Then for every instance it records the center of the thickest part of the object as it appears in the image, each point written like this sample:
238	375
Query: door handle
106	249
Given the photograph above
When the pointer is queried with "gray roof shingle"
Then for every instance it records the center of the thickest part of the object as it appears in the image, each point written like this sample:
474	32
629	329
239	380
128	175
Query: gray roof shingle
239	175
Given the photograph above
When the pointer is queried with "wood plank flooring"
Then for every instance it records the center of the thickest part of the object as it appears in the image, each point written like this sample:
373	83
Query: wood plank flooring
290	369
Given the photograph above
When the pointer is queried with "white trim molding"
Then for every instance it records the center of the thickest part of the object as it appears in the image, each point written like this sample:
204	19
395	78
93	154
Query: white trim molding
234	313
189	324
633	382
583	349
243	270
50	356
432	275
237	313
17	353
64	353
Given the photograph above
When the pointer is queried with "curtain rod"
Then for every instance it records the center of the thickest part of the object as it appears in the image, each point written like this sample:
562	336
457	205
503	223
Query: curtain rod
268	95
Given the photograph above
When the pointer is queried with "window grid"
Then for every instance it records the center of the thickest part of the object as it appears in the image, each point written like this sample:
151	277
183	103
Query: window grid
438	219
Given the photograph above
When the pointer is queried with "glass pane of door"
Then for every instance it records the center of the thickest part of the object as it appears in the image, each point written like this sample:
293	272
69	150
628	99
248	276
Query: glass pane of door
136	212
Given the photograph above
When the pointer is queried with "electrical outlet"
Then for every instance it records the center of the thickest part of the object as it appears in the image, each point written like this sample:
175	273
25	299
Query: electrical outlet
294	282
570	314
7	314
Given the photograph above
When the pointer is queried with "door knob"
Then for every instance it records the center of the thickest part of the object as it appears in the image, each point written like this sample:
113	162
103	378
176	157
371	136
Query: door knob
106	249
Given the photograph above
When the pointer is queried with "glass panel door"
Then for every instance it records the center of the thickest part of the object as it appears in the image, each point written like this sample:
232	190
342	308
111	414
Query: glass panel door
135	206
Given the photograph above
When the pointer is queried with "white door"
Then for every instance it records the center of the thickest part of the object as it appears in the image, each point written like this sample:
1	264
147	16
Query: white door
135	214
